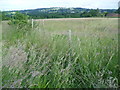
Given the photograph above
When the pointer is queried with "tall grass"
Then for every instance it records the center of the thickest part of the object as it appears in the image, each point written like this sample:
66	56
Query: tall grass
0	53
46	59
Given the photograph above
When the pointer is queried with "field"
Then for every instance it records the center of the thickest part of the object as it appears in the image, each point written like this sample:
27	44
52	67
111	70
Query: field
61	53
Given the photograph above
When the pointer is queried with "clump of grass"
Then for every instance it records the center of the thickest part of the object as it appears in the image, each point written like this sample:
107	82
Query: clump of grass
91	61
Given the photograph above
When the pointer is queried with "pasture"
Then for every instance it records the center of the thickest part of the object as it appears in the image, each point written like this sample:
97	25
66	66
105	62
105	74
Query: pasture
61	53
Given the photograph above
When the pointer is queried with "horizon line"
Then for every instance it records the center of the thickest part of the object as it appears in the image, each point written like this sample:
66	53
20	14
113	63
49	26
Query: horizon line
55	7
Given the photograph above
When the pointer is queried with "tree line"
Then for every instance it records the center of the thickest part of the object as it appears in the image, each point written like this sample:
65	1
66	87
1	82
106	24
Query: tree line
61	14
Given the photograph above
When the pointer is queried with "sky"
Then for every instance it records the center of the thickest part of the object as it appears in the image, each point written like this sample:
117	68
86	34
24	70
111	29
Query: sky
33	4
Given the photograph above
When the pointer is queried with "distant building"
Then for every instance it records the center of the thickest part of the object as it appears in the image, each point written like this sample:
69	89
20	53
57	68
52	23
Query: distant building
113	15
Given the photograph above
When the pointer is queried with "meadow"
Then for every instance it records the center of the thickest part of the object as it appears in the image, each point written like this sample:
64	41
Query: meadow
63	53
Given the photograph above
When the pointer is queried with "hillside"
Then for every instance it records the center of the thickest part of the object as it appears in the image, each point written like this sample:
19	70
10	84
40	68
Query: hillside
59	12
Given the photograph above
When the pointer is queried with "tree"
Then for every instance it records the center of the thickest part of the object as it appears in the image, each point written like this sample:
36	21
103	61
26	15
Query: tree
105	14
5	16
19	20
0	16
85	14
94	13
118	10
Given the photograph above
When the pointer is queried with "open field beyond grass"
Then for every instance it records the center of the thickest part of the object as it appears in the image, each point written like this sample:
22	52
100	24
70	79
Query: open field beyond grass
61	53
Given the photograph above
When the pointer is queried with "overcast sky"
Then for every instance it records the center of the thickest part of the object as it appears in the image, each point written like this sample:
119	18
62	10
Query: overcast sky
33	4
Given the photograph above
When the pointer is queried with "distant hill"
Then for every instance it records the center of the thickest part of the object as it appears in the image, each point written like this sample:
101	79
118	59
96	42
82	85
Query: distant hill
59	12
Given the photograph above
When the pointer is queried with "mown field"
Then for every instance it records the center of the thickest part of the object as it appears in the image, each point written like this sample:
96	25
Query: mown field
66	53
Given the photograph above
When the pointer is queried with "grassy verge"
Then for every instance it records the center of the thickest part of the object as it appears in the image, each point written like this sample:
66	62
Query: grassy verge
44	58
